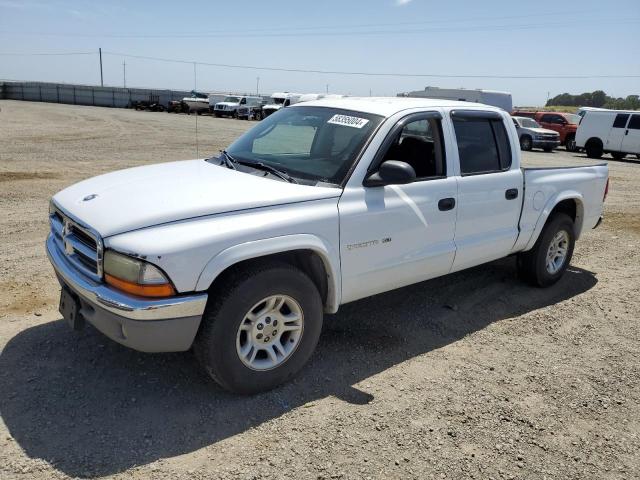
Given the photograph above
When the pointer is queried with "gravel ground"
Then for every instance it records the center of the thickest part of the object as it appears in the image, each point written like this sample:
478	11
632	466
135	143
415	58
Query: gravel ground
474	375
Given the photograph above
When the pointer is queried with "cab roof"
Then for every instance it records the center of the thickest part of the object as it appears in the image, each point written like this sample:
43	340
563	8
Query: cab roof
388	106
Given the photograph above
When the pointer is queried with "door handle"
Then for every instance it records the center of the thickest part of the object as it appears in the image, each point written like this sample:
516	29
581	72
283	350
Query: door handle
511	194
446	204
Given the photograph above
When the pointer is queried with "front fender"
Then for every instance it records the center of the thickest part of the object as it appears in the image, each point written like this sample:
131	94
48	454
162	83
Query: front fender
270	246
548	208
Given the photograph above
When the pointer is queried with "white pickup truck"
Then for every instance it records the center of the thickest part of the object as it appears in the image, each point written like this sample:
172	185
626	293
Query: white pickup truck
321	204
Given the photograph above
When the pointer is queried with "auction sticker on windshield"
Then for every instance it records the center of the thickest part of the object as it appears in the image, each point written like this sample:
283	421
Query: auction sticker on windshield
348	121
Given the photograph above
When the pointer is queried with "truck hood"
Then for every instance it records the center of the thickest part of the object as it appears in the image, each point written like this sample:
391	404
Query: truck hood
141	197
541	131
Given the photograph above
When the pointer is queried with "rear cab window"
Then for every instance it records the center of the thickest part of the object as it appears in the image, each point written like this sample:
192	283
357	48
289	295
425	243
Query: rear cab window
483	143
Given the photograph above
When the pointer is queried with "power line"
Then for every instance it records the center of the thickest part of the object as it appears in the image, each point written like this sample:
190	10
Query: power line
334	72
46	54
369	74
281	28
348	31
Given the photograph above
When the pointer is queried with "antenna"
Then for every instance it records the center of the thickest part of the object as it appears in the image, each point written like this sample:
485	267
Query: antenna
195	85
124	74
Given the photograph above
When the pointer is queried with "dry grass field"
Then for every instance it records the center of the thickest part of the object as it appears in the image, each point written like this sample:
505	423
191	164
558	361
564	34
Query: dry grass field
474	375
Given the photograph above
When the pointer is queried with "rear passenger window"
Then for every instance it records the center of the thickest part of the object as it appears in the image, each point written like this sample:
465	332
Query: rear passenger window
483	145
621	120
634	123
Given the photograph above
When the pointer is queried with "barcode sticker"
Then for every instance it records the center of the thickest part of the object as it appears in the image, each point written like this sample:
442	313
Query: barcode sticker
348	121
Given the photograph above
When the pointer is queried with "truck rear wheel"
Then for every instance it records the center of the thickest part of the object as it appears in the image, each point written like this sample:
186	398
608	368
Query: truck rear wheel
260	327
594	148
570	143
547	261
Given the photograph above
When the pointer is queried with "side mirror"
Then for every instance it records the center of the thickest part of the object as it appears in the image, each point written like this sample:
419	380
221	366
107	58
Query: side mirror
391	172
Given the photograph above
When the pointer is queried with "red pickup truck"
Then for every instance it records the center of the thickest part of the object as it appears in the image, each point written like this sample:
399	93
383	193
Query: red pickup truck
565	124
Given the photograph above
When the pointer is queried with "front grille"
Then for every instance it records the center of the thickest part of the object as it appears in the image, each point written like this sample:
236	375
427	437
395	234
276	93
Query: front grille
81	245
219	107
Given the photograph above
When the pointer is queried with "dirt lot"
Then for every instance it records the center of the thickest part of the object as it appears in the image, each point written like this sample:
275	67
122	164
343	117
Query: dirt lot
474	375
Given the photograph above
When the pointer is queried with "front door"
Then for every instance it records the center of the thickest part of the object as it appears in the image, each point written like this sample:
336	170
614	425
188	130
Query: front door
397	235
489	189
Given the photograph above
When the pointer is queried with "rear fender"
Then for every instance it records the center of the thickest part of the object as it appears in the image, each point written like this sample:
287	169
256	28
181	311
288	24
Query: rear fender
548	208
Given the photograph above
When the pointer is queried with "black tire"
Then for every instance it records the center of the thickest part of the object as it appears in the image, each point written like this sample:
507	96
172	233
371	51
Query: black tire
594	148
548	149
532	265
526	143
235	114
215	344
218	115
258	116
618	155
570	143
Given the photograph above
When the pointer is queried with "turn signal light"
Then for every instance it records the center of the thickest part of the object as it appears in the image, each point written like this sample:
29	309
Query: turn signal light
162	290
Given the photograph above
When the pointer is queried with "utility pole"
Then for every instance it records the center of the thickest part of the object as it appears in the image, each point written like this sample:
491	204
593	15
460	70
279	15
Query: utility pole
195	84
327	88
124	73
257	85
101	80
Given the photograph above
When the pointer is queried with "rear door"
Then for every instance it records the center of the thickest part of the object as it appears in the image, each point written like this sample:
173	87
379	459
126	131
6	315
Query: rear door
489	189
631	140
617	132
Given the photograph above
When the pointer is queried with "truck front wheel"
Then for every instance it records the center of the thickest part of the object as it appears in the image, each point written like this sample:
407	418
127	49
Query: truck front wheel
261	326
547	261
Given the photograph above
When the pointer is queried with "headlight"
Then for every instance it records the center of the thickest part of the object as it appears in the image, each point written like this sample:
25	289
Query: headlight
135	276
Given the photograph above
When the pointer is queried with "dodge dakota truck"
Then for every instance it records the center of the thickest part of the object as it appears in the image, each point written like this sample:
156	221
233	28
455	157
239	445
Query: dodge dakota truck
238	256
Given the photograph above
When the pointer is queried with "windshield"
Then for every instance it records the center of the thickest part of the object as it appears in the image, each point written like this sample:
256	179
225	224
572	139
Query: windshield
232	99
278	101
313	144
529	123
571	118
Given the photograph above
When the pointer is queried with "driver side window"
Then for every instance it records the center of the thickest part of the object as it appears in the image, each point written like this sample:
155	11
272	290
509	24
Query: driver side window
419	144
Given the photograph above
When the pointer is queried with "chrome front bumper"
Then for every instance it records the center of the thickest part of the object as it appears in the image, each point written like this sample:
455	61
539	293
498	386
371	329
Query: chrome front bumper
150	325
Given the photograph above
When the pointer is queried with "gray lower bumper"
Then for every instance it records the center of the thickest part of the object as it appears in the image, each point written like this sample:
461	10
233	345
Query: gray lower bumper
148	325
546	143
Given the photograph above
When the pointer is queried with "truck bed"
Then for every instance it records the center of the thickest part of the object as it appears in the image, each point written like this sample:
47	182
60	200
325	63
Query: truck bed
546	186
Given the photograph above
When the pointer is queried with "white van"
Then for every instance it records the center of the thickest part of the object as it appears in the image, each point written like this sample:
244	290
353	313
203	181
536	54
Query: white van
609	131
229	106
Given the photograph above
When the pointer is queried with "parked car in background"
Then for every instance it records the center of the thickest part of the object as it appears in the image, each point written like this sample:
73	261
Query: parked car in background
616	132
320	204
501	100
532	135
565	124
177	106
197	102
215	98
280	100
229	106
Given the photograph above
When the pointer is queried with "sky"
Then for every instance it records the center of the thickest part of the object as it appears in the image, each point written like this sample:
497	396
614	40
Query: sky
398	37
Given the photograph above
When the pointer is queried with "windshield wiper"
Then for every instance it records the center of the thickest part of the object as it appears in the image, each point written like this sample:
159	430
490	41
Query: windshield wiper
228	160
268	168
